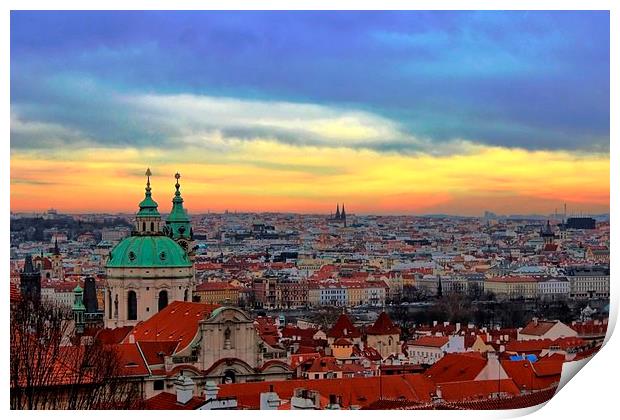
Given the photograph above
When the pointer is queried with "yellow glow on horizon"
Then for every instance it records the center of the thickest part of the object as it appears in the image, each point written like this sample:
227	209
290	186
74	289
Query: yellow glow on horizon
264	175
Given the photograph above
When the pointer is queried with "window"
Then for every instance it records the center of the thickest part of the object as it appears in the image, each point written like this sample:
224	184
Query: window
163	300
132	306
158	385
109	304
152	226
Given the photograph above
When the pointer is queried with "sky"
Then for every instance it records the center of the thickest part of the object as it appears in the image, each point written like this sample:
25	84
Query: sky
388	112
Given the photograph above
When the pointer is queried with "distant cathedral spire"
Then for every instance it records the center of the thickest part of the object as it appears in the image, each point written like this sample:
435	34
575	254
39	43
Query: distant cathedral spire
337	211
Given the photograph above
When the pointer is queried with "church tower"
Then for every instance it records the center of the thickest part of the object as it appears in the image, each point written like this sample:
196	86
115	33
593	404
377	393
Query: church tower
146	270
178	225
337	217
57	270
547	234
343	216
30	280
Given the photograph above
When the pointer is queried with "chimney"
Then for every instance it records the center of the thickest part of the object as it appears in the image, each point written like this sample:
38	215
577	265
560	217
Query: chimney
269	400
184	387
434	323
333	402
211	391
438	392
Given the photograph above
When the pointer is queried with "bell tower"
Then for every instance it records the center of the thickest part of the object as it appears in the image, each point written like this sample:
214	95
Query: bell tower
148	219
178	224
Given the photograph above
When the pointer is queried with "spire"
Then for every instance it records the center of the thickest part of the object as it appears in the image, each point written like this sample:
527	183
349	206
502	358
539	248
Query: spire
337	211
56	250
343	214
148	206
178	221
28	266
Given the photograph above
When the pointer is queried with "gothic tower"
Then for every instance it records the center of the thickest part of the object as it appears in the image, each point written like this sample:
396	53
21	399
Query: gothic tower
30	280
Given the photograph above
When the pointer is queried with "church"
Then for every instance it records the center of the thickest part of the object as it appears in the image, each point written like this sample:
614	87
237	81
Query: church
151	267
150	281
340	217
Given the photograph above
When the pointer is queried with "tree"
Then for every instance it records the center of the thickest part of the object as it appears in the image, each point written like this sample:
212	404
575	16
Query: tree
51	368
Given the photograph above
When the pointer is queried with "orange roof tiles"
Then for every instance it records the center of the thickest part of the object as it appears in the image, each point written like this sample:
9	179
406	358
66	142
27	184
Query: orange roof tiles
457	367
430	341
353	391
154	351
538	327
168	401
475	390
176	322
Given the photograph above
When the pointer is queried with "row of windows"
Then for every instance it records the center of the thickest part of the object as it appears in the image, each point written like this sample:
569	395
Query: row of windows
132	303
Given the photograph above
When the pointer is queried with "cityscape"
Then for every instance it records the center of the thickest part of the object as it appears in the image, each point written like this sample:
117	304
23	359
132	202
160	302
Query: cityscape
199	242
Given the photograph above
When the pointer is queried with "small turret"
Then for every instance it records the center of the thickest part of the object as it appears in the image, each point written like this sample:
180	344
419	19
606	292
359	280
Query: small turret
78	309
148	219
178	223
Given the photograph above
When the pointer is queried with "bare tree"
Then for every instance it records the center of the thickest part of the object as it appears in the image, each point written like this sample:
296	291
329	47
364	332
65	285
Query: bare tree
51	368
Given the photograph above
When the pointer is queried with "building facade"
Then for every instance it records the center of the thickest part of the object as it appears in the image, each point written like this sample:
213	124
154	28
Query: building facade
146	270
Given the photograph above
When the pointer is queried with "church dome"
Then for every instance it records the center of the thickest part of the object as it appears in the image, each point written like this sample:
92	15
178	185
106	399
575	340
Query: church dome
148	251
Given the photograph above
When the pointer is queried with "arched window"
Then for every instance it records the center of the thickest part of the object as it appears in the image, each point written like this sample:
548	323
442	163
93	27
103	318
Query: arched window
132	306
152	226
109	304
229	377
186	295
143	226
163	300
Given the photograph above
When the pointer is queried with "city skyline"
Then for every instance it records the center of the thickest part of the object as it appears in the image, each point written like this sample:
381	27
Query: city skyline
390	113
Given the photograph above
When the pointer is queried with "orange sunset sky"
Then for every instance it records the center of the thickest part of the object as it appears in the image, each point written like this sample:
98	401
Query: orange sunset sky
387	112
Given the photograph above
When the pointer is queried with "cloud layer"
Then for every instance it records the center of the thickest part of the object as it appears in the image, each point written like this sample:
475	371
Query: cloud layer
292	111
518	79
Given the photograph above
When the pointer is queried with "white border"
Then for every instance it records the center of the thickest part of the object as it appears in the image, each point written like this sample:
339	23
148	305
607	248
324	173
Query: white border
592	395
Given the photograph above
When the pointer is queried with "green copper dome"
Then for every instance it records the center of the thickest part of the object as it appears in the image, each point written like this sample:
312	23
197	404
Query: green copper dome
148	251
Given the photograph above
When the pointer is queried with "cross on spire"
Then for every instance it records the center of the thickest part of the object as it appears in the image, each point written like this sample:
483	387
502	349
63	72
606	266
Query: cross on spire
148	179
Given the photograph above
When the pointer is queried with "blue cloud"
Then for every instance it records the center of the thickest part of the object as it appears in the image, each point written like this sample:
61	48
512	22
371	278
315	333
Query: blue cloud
538	80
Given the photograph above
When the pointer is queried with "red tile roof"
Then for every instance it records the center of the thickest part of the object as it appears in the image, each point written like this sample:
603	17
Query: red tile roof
324	364
113	335
533	376
538	328
353	391
132	362
168	401
154	351
457	367
344	328
430	341
176	322
383	326
475	390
